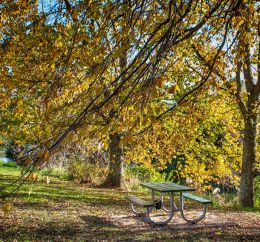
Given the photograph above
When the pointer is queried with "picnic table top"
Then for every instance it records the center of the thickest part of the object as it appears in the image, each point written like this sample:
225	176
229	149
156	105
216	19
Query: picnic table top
166	187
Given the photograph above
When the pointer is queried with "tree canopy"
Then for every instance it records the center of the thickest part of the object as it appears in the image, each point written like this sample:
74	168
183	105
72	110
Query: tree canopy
79	71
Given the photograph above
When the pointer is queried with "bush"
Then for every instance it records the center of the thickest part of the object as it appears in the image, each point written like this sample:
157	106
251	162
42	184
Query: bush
134	174
145	174
84	171
54	172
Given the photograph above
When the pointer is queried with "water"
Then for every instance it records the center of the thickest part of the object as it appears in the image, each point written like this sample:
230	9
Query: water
5	159
3	154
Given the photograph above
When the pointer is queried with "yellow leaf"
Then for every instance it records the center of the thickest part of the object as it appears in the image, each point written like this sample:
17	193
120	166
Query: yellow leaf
126	140
105	145
66	92
104	130
7	207
154	93
69	25
157	110
177	89
123	141
240	22
31	177
58	43
53	66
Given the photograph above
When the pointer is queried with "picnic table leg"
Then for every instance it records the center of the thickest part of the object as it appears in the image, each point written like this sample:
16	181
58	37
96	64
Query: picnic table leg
136	212
175	208
193	221
170	213
149	209
153	196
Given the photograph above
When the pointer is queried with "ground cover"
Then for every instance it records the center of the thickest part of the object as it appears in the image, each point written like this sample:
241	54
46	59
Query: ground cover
63	210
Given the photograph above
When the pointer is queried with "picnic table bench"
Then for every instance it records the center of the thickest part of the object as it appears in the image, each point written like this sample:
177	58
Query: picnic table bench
167	188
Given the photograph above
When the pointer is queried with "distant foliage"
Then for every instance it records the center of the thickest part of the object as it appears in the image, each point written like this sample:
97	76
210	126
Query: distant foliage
84	171
54	172
144	173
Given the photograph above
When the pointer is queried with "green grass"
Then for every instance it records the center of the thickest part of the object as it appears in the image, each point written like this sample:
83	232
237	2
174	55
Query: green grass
62	190
9	169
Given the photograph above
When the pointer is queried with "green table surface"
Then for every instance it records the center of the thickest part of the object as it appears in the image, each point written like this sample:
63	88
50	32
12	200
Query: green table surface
166	187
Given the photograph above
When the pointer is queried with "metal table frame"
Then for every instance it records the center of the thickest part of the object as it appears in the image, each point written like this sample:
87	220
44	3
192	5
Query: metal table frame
170	188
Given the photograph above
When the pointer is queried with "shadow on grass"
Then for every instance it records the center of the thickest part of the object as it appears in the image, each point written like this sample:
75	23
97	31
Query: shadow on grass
36	206
95	221
44	231
96	228
93	200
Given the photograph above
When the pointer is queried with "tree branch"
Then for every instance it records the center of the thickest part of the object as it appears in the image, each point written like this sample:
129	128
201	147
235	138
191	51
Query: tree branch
240	101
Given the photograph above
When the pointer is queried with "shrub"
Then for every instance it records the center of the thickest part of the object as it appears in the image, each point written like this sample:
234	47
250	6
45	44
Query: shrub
54	172
134	174
83	170
146	173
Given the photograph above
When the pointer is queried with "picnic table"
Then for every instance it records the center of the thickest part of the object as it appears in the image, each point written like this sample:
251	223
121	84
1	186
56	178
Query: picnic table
169	188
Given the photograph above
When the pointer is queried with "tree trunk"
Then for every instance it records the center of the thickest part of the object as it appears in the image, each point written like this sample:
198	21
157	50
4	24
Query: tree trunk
249	105
248	161
115	174
114	177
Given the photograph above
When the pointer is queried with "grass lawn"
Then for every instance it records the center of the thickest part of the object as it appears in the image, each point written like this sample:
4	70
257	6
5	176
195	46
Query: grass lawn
63	211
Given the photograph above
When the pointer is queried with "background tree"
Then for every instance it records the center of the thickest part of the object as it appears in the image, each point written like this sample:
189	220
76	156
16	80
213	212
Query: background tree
242	56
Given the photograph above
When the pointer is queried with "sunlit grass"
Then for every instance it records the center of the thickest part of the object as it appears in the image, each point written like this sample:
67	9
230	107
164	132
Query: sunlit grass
9	169
40	192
